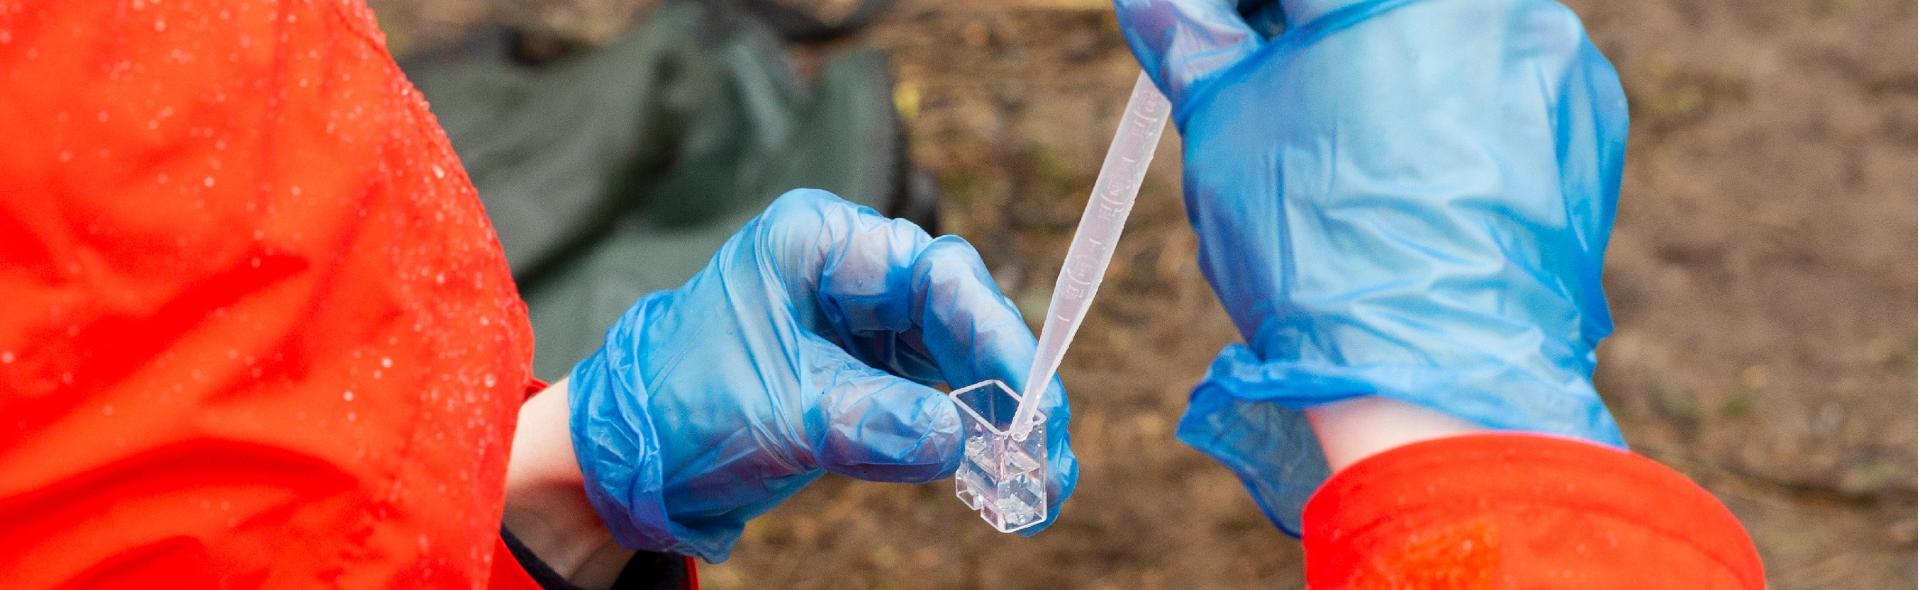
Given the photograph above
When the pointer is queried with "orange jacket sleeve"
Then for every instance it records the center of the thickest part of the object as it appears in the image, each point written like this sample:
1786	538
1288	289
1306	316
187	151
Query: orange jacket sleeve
256	329
1521	511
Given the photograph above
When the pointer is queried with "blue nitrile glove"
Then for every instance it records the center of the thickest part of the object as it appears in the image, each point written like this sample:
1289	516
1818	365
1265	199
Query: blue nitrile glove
1406	199
803	347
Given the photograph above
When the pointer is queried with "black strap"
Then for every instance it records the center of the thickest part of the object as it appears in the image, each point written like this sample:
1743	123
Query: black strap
646	571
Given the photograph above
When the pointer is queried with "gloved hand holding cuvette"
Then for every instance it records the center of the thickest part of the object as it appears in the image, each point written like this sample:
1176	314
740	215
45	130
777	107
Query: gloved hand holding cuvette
806	345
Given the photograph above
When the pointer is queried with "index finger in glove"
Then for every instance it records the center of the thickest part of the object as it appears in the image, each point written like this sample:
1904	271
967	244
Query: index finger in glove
846	268
922	307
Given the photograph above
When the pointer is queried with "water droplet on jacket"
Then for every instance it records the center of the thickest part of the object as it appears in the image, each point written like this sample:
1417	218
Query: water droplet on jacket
439	172
386	362
487	380
6	358
348	395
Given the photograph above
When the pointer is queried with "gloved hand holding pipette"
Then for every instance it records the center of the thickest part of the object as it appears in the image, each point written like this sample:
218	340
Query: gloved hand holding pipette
1402	205
1402	200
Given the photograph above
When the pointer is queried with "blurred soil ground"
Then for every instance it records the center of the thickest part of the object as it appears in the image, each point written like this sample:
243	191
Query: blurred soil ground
1762	277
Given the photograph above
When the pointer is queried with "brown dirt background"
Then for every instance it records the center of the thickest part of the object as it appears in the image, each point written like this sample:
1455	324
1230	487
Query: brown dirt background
1761	276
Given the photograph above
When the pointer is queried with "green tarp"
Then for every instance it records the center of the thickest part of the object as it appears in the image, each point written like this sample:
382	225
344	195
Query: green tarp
619	170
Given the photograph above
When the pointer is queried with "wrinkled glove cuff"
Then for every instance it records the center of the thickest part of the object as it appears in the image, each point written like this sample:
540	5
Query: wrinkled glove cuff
619	452
1268	444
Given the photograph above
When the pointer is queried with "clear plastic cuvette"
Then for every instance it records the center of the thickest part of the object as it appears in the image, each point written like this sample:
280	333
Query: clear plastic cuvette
1002	478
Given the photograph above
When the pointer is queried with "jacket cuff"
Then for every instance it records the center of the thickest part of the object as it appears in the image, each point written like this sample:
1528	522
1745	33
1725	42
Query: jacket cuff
1495	509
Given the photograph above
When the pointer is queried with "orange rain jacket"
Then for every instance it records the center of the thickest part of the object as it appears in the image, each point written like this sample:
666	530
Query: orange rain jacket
255	330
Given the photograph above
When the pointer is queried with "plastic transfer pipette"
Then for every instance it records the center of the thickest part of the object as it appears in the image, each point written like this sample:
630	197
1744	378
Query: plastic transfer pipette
1093	242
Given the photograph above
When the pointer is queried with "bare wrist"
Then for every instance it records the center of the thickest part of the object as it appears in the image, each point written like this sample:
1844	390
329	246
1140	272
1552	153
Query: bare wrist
546	504
1354	429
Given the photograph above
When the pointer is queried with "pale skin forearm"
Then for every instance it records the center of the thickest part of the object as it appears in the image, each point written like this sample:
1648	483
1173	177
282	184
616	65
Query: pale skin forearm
1354	429
547	507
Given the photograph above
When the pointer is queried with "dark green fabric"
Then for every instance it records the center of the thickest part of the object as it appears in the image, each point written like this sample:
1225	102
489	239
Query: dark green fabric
619	171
